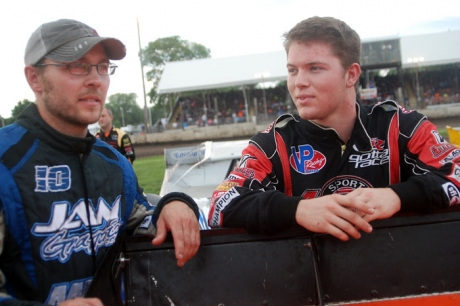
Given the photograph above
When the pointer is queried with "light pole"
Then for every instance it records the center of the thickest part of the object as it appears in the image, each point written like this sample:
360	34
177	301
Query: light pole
416	61
141	58
243	88
417	86
263	75
122	116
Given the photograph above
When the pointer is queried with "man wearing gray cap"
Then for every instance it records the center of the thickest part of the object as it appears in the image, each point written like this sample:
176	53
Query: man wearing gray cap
60	206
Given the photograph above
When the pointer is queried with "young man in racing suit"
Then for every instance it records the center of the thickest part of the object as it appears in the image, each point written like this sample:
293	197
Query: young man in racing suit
65	196
338	164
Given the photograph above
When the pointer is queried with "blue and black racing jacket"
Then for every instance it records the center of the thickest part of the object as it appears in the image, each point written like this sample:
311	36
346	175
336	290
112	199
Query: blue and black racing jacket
63	202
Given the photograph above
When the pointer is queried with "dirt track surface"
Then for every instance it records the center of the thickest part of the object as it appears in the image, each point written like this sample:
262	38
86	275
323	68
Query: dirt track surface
152	150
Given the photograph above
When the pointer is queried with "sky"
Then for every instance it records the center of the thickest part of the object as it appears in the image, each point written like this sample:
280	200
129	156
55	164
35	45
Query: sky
227	28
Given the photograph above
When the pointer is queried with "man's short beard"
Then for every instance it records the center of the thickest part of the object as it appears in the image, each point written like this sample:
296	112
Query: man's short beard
58	109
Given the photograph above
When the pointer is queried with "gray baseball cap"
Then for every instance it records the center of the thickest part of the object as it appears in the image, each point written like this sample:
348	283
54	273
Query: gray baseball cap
67	40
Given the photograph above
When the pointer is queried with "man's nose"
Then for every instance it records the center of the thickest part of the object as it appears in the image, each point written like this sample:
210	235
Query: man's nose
94	79
302	79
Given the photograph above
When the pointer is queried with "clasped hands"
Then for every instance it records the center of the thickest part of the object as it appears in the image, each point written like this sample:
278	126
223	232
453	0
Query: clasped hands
345	215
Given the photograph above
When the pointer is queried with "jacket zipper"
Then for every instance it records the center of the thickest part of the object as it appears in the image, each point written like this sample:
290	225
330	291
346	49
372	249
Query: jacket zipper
88	213
343	147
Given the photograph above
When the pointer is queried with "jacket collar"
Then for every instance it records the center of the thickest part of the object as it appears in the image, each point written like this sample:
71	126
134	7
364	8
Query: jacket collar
31	120
359	136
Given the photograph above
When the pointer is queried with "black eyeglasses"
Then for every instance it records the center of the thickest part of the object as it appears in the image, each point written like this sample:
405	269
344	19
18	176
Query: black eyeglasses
79	68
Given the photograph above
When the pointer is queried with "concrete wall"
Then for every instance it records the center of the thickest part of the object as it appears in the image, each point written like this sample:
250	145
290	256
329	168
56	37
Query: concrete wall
441	111
192	134
241	130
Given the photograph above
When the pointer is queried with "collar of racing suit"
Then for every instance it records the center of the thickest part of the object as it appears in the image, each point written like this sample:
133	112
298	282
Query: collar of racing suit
31	120
359	135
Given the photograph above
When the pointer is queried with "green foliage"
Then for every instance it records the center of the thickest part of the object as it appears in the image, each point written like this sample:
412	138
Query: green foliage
15	112
169	49
124	106
150	172
22	105
7	121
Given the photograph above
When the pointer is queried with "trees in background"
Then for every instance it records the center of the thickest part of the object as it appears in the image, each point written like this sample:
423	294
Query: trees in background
125	109
22	105
159	52
15	112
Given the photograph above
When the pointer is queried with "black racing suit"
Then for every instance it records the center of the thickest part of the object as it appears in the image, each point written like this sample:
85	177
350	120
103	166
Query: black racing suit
120	141
63	202
296	159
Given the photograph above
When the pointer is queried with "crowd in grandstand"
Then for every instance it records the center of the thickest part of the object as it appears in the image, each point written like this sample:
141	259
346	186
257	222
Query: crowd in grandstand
437	86
231	108
440	87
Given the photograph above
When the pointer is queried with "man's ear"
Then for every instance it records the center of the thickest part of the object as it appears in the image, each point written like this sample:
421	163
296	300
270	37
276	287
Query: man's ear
352	74
33	78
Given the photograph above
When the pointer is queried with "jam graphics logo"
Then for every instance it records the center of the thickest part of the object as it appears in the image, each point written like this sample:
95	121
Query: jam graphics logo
378	156
344	184
306	160
68	228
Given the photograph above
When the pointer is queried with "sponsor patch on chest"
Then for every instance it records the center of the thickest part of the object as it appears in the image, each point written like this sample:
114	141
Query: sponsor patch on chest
52	179
344	184
305	160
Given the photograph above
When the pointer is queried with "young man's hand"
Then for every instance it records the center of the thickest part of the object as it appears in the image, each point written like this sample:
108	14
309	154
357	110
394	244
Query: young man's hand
345	215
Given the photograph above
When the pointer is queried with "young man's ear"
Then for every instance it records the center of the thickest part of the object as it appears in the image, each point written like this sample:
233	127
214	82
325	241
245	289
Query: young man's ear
33	78
352	75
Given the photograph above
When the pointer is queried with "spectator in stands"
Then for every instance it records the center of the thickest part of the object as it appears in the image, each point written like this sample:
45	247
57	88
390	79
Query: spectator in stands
115	137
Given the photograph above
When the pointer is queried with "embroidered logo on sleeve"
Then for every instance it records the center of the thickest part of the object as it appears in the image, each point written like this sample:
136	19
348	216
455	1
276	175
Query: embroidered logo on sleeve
221	204
146	222
452	193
